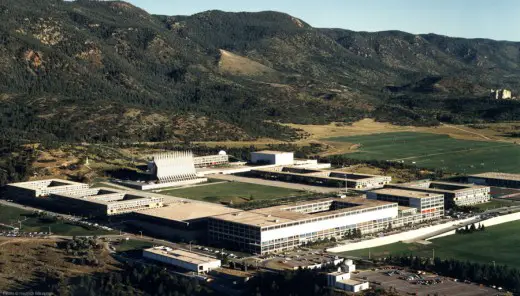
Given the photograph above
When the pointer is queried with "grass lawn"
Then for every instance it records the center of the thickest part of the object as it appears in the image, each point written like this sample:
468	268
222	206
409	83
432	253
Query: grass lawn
497	203
131	245
437	151
31	223
497	243
233	191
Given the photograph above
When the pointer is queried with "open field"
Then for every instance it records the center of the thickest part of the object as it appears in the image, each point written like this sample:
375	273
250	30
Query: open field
32	223
232	191
496	243
436	151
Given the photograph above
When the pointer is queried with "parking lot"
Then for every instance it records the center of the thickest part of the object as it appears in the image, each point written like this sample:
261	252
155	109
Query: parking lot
409	283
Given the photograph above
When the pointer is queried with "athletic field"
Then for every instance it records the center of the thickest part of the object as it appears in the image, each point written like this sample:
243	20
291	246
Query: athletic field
232	191
496	243
436	151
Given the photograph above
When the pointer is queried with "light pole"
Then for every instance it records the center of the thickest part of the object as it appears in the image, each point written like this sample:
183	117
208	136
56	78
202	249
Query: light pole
141	232
493	263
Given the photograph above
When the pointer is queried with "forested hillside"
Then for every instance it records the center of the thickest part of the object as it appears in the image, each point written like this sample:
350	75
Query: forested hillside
108	71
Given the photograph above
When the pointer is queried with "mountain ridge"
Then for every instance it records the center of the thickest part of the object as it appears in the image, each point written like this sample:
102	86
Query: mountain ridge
109	71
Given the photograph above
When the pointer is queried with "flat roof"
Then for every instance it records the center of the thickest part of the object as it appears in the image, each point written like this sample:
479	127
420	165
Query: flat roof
272	152
406	193
182	255
284	214
96	195
188	210
456	186
46	183
350	282
501	176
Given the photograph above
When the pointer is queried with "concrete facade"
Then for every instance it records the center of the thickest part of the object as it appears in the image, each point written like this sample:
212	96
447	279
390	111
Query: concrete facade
108	202
44	188
429	205
272	157
285	227
183	259
496	179
326	178
455	194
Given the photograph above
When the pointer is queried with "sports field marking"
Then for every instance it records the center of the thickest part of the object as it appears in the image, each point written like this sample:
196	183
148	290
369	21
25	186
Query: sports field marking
449	152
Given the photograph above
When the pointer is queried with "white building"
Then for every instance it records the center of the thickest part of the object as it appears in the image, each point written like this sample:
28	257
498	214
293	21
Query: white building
109	202
272	157
172	169
183	259
342	280
43	188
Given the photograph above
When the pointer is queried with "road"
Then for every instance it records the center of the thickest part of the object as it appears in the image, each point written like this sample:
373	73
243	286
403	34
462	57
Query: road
281	184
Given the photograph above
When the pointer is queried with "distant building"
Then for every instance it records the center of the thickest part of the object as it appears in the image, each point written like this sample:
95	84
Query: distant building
496	179
44	188
319	177
501	94
183	259
211	160
108	202
430	205
272	157
455	194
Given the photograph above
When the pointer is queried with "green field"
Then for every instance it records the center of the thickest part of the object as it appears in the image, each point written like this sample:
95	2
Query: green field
233	191
437	151
31	223
131	245
497	243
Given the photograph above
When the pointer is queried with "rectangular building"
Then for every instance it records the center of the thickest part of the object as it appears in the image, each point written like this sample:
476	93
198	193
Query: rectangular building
496	179
284	227
108	202
183	259
272	157
455	194
326	178
430	205
44	188
210	160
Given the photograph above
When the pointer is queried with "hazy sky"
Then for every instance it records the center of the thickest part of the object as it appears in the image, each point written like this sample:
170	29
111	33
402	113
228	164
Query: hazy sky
495	19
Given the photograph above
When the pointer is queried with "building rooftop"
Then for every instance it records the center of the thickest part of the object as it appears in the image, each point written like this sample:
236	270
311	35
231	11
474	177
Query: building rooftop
406	193
350	282
181	255
40	184
272	152
188	210
286	213
437	186
105	196
501	176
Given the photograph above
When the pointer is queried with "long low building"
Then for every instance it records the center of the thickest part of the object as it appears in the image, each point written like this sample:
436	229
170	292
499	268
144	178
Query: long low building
44	188
183	259
455	194
285	227
107	201
327	178
496	179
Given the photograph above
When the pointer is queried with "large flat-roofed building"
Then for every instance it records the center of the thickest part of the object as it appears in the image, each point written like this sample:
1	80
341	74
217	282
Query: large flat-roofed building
44	188
327	178
184	259
284	227
107	201
272	157
429	205
496	179
455	194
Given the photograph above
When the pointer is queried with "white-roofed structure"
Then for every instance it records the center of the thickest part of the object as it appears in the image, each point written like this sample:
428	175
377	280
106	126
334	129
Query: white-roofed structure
183	259
173	166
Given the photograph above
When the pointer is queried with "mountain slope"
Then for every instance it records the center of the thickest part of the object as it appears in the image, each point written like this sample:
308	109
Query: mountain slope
108	71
